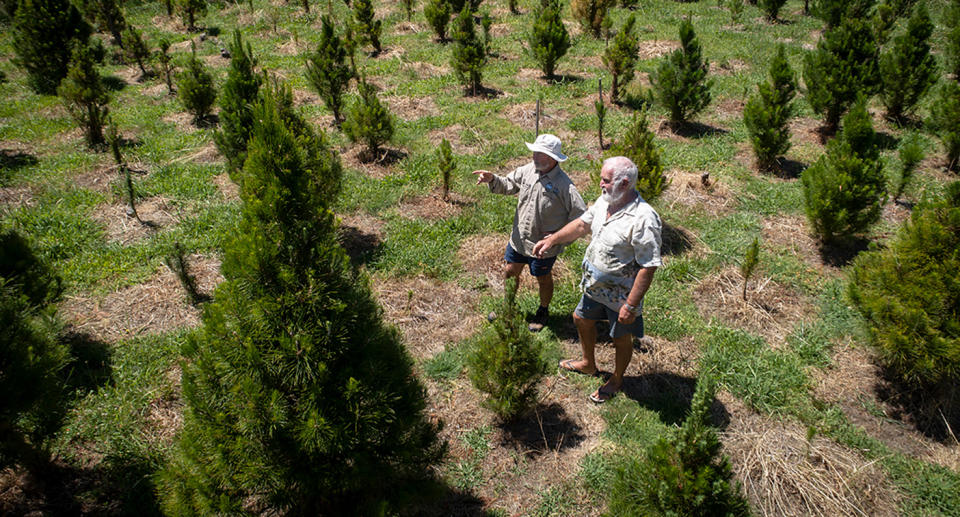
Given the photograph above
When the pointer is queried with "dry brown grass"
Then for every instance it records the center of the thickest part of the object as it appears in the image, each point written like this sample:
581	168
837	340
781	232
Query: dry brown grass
687	190
227	188
524	115
12	198
790	234
482	255
433	206
155	215
656	48
411	108
730	67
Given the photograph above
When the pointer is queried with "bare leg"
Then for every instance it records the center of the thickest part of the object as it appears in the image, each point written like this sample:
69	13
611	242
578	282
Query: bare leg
546	289
624	348
587	331
513	270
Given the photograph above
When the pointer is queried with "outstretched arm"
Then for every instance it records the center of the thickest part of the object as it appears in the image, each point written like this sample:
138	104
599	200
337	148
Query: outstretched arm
569	233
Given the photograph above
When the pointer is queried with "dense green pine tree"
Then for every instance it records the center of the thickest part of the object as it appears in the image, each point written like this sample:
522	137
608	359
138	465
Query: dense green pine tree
638	145
680	81
952	44
767	113
366	27
369	121
44	34
833	12
844	191
548	37
771	8
469	54
620	58
910	154
106	15
300	400
85	96
328	71
164	57
240	93
945	120
136	49
437	13
445	164
843	67
908	70
190	10
195	88
591	14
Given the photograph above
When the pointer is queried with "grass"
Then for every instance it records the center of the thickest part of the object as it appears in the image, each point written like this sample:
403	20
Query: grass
109	425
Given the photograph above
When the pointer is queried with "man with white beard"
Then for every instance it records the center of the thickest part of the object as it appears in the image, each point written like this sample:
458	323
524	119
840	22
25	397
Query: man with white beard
618	267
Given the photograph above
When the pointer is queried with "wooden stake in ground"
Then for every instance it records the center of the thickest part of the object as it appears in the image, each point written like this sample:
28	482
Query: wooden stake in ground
537	117
601	111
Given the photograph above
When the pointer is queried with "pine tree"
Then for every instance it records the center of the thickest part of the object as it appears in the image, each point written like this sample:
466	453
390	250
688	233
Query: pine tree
548	36
195	87
367	28
469	55
638	145
771	8
767	113
908	70
327	70
107	15
437	13
164	58
240	93
137	49
843	66
910	154
408	8
300	400
750	261
834	12
620	58
512	4
591	14
368	121
85	96
681	474
844	191
31	357
44	34
190	10
952	36
486	22
446	165
945	120
506	363
680	81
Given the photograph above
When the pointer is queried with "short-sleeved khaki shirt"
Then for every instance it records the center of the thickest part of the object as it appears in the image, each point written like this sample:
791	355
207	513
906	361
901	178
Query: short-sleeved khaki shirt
619	247
545	203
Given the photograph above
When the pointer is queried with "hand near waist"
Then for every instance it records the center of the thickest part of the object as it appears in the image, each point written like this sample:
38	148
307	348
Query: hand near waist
543	245
626	316
483	176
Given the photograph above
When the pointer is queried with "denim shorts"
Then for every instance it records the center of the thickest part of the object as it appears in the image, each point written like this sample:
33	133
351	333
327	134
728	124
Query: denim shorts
538	266
590	309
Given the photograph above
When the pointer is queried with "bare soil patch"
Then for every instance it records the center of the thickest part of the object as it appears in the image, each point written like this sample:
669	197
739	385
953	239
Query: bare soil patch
730	108
182	119
406	27
688	189
228	189
423	69
292	47
783	473
806	130
158	90
155	214
433	206
155	306
656	48
771	309
301	97
791	234
412	108
457	145
98	179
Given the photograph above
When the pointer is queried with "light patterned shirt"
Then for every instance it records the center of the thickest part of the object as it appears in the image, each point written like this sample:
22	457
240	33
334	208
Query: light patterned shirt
545	203
619	247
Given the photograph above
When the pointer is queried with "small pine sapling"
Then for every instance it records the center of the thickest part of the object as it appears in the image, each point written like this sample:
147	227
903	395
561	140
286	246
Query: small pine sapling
548	37
43	36
506	363
680	81
750	261
590	14
113	140
137	49
367	28
736	10
165	59
240	93
168	4
486	23
638	145
766	114
908	70
601	110
952	36
328	71
306	6
85	96
469	55
512	4
911	154
408	8
108	16
834	12
195	87
190	10
620	58
771	8
369	121
437	13
177	263
446	165
945	120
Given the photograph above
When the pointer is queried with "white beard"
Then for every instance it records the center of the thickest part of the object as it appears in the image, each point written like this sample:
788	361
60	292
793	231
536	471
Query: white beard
612	197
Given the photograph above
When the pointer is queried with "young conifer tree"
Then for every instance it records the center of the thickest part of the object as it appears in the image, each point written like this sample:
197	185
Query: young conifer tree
328	71
749	264
437	13
190	10
638	145
195	88
771	8
446	165
945	120
240	93
952	36
908	70
910	154
299	398
620	58
844	191
548	38
369	121
767	113
366	27
44	34
834	12
591	14
164	57
408	8
680	81
843	67
85	96
136	48
469	55
108	15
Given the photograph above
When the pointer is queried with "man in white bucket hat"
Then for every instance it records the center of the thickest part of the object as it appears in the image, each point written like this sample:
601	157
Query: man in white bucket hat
547	200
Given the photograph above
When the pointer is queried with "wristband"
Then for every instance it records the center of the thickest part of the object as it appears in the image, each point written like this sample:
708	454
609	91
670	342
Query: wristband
632	308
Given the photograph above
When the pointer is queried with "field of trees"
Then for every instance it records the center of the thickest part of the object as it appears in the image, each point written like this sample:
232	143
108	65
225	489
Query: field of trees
245	265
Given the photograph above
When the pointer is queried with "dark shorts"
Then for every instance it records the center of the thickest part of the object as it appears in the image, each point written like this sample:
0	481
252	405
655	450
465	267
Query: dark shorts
589	309
538	266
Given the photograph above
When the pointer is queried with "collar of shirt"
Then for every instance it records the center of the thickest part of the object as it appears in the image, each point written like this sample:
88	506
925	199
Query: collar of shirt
551	174
622	211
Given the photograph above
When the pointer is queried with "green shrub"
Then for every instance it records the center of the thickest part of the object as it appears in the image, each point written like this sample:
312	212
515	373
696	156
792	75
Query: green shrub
85	96
469	53
591	14
108	16
680	82
771	8
843	67
620	58
240	93
844	190
164	57
749	264
506	363
681	474
190	10
834	12
548	36
437	13
298	396
368	121
367	28
445	164
44	35
911	154
136	49
195	88
908	70
952	44
638	145
408	8
909	295
766	114
945	120
328	72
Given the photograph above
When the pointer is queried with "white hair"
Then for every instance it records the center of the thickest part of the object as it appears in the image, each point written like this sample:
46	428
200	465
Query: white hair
622	168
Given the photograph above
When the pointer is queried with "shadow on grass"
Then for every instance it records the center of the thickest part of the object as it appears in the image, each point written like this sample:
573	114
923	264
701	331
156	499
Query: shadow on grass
934	411
546	428
484	92
91	366
383	157
789	169
842	253
113	83
675	240
450	502
669	395
696	130
563	79
12	159
362	247
207	121
886	141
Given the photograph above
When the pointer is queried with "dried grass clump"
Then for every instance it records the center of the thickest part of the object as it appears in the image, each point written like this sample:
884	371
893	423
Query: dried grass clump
411	108
155	214
689	189
657	48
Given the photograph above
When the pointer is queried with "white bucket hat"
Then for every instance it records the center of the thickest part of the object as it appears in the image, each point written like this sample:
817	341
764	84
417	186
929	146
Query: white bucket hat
548	145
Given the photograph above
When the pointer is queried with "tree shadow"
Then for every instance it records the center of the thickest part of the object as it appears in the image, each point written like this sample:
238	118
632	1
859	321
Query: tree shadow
484	92
933	411
447	501
113	83
563	79
839	254
695	130
362	247
546	428
789	169
675	240
12	159
383	157
91	366
886	141
209	121
670	396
